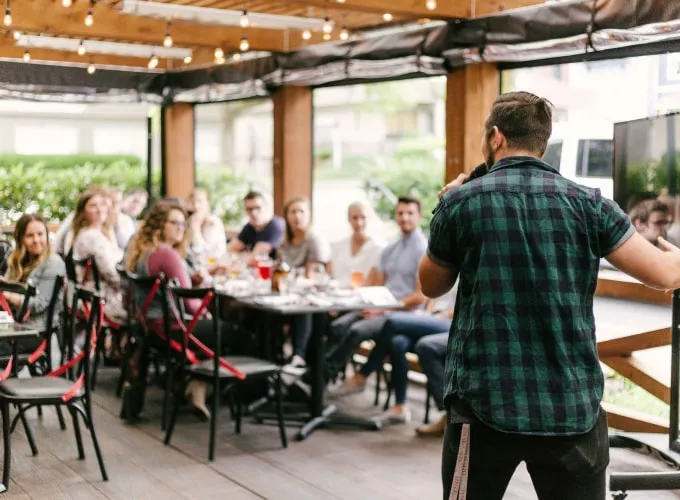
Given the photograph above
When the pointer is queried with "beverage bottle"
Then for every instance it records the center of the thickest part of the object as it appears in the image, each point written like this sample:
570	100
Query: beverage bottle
281	271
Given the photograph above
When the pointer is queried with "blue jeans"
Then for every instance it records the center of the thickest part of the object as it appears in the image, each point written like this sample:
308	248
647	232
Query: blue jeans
401	332
431	351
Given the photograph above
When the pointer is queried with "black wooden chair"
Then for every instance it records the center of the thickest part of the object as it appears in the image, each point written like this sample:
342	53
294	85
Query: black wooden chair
226	374
56	390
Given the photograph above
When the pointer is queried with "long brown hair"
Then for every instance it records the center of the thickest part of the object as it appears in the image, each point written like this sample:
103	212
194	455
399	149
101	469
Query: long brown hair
286	208
21	263
79	220
150	234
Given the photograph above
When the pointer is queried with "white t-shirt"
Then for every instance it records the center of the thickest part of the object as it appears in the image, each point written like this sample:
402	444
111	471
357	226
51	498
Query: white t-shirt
344	263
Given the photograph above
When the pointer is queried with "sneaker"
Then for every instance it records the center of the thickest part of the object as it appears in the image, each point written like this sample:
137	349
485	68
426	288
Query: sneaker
296	368
342	390
391	418
432	430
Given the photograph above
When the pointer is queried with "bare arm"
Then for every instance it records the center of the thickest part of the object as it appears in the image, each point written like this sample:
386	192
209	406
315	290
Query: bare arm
643	261
435	280
375	278
262	248
236	245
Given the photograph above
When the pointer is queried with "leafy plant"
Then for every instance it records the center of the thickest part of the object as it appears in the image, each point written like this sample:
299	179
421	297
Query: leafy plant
61	162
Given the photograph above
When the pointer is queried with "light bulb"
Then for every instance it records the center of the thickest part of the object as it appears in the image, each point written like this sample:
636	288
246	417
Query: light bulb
91	69
431	4
66	3
153	62
81	49
89	19
387	17
17	35
219	53
244	45
236	57
27	55
187	60
220	60
8	17
326	36
340	1
344	34
306	35
167	41
244	21
327	26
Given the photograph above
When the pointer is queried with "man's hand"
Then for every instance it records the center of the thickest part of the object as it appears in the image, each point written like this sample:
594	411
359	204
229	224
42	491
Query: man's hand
371	313
452	185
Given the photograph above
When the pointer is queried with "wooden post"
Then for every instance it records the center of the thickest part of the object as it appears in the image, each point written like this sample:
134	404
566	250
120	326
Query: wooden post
470	92
293	144
178	143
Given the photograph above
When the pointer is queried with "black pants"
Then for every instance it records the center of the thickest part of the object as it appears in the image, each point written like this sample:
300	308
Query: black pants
561	468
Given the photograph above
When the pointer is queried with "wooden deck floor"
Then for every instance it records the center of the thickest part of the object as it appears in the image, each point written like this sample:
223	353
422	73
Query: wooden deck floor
389	464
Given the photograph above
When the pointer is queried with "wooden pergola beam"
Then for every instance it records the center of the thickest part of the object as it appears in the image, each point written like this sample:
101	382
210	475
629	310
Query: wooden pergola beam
111	25
417	8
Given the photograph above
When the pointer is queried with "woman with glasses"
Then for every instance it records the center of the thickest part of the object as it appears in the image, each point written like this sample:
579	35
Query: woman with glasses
160	246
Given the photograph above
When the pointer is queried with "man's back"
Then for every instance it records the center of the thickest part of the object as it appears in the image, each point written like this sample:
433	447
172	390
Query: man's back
527	242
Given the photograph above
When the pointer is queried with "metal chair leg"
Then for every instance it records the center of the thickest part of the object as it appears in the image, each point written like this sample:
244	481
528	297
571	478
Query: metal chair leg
279	411
7	455
76	430
27	430
95	443
60	417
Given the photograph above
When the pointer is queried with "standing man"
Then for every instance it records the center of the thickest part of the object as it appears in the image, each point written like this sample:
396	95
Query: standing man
523	379
262	233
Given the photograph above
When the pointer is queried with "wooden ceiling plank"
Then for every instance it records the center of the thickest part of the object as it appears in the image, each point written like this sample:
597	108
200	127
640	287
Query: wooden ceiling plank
109	24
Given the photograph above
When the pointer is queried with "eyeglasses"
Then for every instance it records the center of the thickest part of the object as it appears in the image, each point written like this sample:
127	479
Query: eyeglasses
178	224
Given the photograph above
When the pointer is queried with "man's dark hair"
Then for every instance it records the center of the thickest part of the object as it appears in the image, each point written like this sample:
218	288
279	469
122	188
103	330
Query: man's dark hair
410	200
524	119
643	210
253	195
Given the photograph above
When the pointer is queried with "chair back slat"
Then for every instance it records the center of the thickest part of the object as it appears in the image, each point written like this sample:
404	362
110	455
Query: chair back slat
27	290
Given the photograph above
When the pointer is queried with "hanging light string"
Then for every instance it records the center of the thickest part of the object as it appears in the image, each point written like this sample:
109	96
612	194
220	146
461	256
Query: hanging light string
168	41
7	21
89	18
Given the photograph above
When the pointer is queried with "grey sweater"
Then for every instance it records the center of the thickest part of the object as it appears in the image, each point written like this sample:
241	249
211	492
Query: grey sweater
43	278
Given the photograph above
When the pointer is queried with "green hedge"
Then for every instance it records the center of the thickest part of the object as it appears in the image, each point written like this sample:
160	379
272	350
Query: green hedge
66	161
52	192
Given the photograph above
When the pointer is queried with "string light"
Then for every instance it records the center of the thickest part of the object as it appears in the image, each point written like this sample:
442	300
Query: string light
326	36
89	18
91	68
244	45
236	57
431	4
244	21
220	60
387	17
17	35
167	41
344	34
153	62
8	15
306	35
340	1
81	49
66	3
187	60
27	55
219	53
327	26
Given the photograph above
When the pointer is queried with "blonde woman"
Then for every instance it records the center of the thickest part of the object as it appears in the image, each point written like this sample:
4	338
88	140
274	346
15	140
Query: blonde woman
160	247
301	248
92	237
32	261
208	239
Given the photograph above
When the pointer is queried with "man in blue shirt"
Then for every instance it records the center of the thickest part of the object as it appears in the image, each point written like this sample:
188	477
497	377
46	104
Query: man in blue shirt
262	233
398	271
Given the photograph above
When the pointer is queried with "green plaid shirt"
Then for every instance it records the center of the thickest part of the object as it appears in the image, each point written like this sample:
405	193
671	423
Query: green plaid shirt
527	242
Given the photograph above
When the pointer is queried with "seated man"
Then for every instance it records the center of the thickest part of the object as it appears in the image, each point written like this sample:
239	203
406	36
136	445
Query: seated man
262	233
398	272
651	219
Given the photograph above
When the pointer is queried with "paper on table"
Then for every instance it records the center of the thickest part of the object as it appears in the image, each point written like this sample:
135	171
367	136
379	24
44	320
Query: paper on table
377	296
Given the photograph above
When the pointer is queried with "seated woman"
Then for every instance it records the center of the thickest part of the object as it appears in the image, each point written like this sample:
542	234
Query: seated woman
301	248
92	237
402	332
356	257
32	261
208	239
160	247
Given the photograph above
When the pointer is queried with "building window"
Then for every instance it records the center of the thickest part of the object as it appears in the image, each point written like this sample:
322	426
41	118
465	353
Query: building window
46	139
553	154
595	158
120	140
